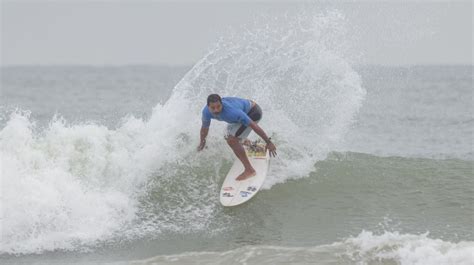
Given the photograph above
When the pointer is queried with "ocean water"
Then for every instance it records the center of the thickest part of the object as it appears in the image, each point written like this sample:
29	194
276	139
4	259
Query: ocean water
375	165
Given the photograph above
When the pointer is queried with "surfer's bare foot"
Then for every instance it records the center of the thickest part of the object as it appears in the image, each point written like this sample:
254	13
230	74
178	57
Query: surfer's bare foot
246	174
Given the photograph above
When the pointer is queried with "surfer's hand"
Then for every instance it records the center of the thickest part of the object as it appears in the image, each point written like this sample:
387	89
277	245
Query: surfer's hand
201	145
271	147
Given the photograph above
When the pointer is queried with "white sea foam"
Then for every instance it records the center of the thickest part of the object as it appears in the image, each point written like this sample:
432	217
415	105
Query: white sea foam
60	190
407	249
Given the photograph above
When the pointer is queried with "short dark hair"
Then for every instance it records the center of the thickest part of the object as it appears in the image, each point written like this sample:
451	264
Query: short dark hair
212	98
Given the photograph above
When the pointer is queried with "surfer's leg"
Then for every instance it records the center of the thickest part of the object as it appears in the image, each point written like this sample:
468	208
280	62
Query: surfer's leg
239	151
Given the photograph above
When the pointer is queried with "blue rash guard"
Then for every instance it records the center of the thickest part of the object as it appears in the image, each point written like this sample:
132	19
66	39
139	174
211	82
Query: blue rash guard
234	110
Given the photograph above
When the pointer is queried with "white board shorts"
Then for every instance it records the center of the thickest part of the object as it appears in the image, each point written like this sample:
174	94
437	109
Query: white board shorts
242	131
232	129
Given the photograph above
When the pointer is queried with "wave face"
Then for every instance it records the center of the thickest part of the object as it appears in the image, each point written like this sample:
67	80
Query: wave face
76	186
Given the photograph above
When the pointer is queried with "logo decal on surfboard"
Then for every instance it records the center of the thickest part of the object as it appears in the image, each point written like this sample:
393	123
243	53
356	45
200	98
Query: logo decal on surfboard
251	188
244	193
226	194
227	188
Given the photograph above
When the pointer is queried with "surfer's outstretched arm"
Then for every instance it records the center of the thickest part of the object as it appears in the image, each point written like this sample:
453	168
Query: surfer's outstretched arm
202	144
258	130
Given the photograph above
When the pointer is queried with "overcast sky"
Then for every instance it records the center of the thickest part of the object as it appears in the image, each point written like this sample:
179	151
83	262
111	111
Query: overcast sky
180	33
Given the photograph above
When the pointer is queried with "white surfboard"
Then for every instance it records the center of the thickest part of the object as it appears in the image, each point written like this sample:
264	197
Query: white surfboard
234	192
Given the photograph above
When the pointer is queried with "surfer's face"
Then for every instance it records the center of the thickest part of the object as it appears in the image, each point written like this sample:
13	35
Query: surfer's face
215	107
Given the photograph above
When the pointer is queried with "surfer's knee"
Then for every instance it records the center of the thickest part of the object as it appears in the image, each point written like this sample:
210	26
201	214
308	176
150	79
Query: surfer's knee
231	140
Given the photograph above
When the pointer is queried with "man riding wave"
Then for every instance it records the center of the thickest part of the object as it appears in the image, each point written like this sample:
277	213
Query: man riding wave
242	116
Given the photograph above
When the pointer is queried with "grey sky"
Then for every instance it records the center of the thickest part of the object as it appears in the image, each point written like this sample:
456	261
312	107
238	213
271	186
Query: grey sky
390	33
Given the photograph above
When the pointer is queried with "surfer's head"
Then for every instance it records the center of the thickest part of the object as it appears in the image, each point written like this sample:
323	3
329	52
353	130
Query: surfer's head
214	102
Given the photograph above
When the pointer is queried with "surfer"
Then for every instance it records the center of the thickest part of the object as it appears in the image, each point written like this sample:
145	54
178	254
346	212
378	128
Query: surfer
242	116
